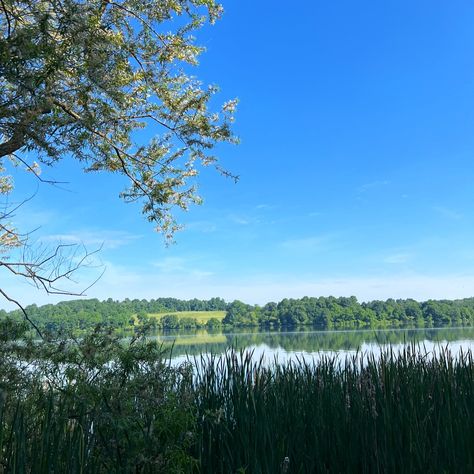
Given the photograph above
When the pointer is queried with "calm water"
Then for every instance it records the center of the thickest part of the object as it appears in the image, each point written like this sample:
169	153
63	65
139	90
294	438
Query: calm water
311	345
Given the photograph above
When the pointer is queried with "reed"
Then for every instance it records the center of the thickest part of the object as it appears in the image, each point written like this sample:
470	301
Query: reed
406	412
99	406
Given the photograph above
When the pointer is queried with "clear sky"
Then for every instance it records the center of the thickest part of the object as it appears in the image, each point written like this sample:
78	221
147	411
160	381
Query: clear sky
356	161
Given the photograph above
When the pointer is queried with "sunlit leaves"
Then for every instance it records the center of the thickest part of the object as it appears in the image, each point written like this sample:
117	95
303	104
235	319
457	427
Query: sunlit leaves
82	78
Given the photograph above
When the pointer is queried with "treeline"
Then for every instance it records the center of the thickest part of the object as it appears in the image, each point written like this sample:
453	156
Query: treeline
321	313
331	312
87	313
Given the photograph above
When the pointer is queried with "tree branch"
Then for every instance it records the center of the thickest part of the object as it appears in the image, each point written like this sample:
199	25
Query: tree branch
25	314
12	145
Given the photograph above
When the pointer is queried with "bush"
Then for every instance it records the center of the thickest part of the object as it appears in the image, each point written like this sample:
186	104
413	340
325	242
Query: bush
94	405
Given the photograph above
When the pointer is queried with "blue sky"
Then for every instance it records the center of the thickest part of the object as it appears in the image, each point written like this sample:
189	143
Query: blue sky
356	161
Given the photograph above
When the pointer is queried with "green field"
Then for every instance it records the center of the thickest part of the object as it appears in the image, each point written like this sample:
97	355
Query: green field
200	316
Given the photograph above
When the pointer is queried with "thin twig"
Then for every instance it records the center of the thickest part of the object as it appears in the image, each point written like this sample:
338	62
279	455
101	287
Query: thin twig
25	314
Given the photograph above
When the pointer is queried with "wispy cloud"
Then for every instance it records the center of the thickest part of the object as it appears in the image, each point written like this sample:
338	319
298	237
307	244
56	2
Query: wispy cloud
418	286
201	274
398	258
202	226
121	282
171	264
242	220
448	213
180	266
90	238
28	219
372	185
309	244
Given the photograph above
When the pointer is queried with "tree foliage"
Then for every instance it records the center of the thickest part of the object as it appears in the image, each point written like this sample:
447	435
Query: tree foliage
81	79
85	314
330	312
94	405
321	313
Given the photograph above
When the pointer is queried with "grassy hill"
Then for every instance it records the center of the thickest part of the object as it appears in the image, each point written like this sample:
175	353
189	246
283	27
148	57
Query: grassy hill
201	317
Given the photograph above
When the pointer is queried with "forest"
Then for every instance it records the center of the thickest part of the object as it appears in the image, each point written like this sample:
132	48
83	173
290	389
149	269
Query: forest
319	313
332	313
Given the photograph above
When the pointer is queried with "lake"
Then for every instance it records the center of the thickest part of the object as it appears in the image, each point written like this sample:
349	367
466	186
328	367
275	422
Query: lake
311	345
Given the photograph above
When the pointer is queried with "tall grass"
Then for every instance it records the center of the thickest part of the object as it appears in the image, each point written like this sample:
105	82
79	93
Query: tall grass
407	412
101	406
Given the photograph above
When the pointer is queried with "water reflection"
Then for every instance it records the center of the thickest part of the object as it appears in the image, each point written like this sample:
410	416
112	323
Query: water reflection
289	344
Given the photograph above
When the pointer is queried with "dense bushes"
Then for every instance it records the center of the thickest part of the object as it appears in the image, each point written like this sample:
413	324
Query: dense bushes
95	405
